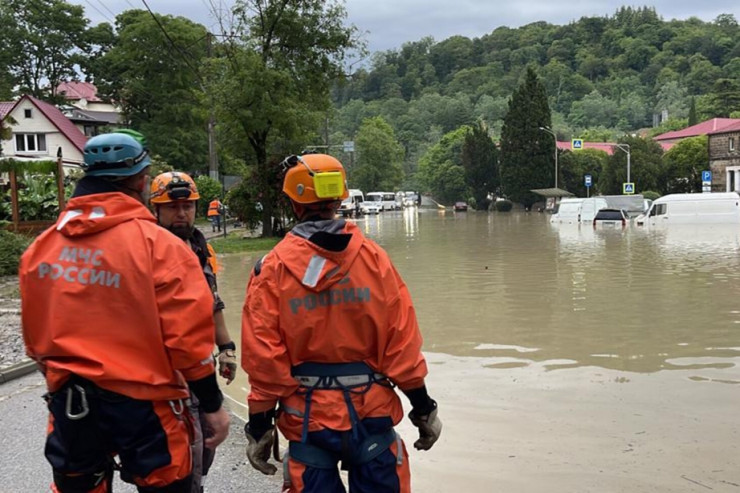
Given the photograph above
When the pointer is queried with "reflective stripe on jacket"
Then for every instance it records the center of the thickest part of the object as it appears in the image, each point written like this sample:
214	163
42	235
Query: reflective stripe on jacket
110	296
309	304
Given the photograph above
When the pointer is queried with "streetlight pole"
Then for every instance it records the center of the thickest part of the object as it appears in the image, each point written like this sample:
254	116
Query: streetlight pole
545	129
627	150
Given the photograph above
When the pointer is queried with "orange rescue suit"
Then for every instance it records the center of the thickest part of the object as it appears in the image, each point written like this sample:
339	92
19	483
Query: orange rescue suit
112	297
214	208
308	304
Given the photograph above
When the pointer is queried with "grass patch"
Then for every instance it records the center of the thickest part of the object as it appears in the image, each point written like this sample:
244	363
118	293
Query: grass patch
236	243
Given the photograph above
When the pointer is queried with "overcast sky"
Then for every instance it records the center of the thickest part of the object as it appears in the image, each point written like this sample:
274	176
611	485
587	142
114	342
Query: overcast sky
388	24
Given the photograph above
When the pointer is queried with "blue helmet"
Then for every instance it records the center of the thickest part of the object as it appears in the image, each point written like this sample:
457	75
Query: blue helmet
114	154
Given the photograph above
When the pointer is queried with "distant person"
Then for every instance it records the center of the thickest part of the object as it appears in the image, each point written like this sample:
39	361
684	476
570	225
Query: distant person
118	316
328	329
215	210
174	197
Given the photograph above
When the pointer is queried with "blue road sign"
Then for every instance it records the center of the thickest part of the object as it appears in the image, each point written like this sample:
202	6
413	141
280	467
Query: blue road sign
576	144
587	180
706	176
628	188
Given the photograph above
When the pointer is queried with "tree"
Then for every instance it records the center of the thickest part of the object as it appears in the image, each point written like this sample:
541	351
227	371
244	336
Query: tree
479	159
41	39
273	82
379	157
693	120
440	171
574	165
683	164
526	157
153	69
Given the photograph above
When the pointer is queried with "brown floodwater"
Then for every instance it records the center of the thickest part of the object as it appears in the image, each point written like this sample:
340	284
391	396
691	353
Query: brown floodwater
564	359
519	291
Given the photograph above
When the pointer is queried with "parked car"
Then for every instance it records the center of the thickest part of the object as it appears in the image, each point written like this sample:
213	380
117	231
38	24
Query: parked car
461	206
370	207
611	218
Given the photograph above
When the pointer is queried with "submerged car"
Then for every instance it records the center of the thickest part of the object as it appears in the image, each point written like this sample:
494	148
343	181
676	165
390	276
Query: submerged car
461	206
611	218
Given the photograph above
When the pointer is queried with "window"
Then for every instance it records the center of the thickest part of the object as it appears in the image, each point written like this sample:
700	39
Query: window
30	143
732	143
27	113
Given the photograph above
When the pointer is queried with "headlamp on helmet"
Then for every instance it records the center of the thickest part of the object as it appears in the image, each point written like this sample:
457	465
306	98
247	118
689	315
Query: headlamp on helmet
171	187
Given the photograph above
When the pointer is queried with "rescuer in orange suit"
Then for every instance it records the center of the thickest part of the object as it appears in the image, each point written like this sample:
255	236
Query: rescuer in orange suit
118	316
174	197
328	328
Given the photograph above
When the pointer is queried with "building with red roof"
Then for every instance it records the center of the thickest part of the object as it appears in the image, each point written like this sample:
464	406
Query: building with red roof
84	95
724	158
703	128
40	130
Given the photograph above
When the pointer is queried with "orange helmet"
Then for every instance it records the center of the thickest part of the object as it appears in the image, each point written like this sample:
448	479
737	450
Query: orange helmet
172	186
314	178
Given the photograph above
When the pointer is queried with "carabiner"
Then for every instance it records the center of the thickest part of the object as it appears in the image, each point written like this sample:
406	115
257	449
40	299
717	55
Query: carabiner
83	402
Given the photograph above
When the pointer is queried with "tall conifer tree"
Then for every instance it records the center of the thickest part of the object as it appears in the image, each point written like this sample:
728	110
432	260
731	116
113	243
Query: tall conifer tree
527	154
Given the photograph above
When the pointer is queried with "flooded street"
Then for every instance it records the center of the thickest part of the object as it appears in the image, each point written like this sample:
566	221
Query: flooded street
565	359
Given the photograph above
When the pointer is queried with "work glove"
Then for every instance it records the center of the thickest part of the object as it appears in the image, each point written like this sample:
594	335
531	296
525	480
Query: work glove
258	451
429	426
227	365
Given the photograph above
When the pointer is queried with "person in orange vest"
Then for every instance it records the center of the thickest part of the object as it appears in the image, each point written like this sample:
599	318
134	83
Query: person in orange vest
215	209
174	196
328	330
118	317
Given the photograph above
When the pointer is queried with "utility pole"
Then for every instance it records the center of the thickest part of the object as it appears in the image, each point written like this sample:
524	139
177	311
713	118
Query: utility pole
627	150
212	157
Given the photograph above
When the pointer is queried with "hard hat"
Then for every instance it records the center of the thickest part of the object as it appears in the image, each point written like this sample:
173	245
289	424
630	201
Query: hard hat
114	154
314	178
172	186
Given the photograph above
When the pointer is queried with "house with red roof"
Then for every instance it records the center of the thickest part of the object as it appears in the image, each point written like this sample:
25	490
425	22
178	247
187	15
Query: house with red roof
86	109
724	158
668	139
40	130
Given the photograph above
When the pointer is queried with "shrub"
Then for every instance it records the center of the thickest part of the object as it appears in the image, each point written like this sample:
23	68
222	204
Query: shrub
650	195
12	247
503	205
208	189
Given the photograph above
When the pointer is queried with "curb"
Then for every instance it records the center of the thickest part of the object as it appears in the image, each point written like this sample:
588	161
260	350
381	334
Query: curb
17	370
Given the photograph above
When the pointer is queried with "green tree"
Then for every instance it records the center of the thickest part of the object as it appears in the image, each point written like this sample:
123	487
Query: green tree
576	164
725	97
440	168
379	157
273	83
153	70
208	189
693	120
40	42
526	157
683	164
479	159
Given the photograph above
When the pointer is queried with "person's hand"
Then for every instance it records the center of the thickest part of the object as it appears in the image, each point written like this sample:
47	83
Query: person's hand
258	451
217	428
227	365
430	427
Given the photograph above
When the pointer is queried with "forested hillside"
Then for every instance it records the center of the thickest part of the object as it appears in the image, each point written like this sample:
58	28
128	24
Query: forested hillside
604	77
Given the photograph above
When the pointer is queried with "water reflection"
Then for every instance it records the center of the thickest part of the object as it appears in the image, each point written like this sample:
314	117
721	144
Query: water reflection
517	289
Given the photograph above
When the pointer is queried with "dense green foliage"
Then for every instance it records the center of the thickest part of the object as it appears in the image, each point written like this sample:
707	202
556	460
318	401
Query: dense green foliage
12	247
378	166
479	158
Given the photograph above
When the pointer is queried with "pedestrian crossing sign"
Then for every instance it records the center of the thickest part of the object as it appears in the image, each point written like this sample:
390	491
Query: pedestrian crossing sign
576	144
628	188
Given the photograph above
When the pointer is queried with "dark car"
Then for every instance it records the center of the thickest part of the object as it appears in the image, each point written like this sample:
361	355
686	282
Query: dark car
461	206
611	218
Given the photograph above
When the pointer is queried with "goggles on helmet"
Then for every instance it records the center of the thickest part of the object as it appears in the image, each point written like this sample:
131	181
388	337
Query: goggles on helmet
179	190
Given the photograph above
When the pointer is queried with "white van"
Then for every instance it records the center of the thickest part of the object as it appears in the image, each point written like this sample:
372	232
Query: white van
386	200
693	208
568	211
590	206
351	206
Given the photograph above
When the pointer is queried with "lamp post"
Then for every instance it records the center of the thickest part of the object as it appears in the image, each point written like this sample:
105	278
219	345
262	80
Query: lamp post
627	150
545	129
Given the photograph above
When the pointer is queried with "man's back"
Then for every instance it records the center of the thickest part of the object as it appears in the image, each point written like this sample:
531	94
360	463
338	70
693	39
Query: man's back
113	285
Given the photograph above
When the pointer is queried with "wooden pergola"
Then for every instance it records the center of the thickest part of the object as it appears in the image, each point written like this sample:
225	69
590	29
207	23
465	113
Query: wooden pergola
14	166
